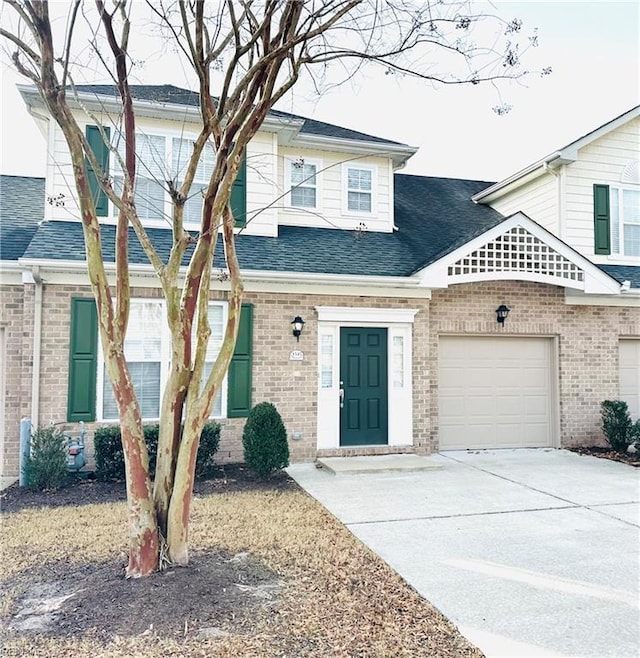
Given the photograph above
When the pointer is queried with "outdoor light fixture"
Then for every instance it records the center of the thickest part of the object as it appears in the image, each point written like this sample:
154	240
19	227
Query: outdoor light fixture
501	313
298	324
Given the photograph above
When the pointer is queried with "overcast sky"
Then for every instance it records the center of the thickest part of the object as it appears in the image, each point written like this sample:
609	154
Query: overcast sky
593	48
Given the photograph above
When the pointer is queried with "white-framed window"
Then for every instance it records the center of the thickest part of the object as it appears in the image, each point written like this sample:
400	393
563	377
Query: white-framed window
625	221
151	165
181	150
359	189
147	348
303	178
161	158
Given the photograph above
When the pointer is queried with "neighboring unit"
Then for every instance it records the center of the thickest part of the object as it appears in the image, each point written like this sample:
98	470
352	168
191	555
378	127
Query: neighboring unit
396	277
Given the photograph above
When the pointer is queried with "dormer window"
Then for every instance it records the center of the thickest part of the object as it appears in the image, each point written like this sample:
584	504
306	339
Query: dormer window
150	174
359	189
303	180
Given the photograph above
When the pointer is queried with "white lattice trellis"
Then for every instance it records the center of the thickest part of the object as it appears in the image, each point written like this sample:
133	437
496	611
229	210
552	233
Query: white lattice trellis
517	250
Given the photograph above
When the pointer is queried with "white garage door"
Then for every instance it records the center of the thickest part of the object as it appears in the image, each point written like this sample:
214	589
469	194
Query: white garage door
630	375
495	392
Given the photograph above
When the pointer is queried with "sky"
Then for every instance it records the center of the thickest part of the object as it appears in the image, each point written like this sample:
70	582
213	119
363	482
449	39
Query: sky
592	47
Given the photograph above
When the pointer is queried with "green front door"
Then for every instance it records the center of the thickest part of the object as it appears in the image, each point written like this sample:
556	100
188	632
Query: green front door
363	383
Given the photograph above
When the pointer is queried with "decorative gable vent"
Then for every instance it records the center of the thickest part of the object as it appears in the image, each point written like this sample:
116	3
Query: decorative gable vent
631	173
517	250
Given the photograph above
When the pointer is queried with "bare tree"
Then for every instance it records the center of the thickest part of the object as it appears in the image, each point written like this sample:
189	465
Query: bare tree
256	52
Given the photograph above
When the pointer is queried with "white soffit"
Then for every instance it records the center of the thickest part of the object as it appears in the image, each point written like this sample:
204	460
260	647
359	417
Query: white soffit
518	249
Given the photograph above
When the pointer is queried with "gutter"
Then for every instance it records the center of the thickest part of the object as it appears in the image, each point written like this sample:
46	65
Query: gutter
37	343
524	175
408	282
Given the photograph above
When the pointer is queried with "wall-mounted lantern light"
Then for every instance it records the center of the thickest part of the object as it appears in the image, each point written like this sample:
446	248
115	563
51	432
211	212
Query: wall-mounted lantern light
298	324
501	313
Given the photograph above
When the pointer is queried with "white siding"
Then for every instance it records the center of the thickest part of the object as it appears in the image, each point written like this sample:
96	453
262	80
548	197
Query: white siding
602	161
330	212
537	199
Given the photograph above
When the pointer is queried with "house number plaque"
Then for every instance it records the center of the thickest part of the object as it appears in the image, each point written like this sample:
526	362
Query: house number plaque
296	355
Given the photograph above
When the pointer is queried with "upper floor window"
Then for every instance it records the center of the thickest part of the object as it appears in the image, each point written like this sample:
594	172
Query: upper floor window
160	158
303	181
359	189
625	221
181	150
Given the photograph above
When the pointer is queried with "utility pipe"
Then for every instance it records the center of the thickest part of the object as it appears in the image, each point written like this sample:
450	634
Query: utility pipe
37	339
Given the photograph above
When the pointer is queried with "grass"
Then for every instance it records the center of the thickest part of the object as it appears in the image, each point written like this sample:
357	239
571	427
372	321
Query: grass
339	599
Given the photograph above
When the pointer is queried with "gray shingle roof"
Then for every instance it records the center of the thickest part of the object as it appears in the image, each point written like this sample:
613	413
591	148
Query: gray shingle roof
21	208
168	94
623	273
433	216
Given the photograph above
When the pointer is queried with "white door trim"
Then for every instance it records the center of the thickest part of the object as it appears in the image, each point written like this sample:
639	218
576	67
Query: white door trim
398	323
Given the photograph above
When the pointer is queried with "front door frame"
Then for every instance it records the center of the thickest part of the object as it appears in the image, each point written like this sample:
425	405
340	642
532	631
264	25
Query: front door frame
399	325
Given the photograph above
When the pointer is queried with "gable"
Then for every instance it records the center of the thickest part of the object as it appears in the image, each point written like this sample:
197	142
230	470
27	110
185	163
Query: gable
519	249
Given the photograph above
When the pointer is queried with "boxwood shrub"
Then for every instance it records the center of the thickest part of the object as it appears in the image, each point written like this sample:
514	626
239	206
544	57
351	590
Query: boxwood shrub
109	455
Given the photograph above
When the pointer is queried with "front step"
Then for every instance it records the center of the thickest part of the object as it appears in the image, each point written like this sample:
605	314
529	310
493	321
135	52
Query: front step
378	464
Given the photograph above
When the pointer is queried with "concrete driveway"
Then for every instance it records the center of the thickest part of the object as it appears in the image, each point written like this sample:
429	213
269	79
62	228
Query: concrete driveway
528	552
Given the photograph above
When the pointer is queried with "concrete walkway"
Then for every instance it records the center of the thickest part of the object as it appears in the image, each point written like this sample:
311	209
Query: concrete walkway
528	552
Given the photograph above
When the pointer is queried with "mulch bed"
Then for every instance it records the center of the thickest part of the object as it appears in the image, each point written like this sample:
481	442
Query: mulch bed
77	491
607	453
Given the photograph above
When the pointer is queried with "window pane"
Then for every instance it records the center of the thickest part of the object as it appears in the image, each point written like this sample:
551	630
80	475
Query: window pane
631	205
146	383
142	348
216	409
144	331
303	173
326	361
359	179
359	201
303	197
398	361
632	239
181	150
615	221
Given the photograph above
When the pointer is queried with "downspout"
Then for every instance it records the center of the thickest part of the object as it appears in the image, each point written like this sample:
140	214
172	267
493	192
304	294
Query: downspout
558	173
37	339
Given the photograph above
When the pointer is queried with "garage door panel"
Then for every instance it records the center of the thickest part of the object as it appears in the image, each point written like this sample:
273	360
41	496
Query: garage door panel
629	364
495	392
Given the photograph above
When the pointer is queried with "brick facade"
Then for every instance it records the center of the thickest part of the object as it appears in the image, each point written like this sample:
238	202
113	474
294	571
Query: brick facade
587	339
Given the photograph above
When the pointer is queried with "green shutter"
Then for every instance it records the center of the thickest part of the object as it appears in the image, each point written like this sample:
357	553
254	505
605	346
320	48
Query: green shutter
238	201
101	151
83	359
239	399
601	219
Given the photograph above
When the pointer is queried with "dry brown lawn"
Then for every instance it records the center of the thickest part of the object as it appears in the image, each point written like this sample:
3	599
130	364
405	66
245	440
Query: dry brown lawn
297	584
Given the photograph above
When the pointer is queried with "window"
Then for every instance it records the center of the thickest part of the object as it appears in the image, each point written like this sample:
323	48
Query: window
625	221
181	150
161	158
150	174
359	189
143	350
147	350
303	179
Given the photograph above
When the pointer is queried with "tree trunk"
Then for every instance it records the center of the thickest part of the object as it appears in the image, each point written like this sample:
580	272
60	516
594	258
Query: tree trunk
180	505
143	530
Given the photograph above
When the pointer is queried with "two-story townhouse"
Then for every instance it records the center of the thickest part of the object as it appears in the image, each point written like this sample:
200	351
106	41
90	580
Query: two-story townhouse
398	279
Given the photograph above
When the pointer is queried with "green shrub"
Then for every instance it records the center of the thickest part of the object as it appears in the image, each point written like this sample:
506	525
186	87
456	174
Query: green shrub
617	426
209	442
108	453
110	456
265	440
46	467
